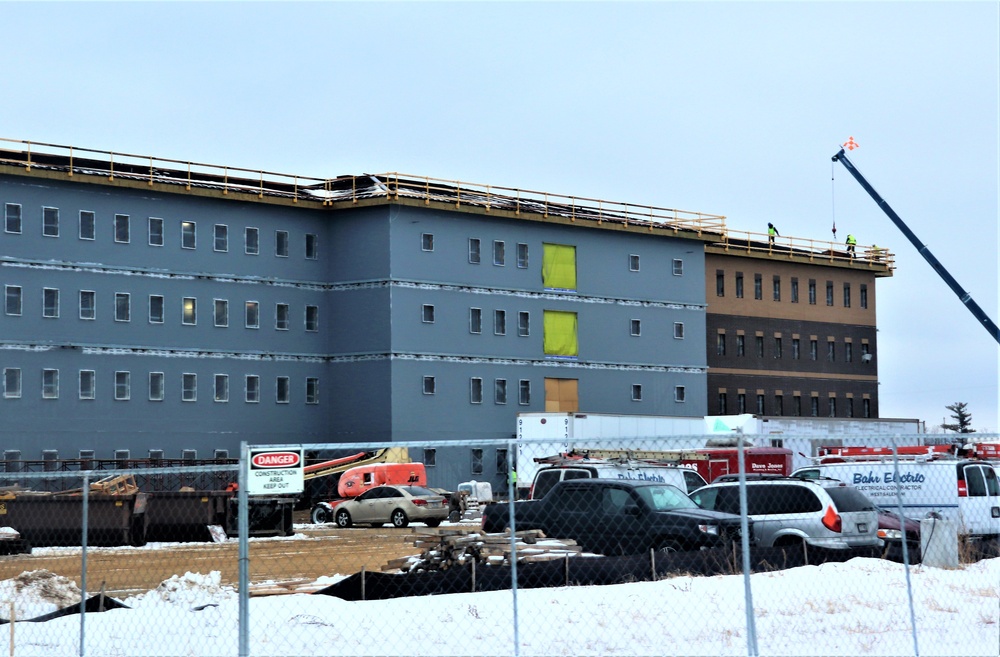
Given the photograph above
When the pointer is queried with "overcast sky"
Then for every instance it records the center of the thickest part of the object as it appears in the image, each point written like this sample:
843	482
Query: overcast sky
725	108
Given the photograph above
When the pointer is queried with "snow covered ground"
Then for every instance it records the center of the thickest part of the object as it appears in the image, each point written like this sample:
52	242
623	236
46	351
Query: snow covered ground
854	608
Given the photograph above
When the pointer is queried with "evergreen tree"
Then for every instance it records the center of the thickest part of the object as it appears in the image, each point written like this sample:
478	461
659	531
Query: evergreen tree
962	417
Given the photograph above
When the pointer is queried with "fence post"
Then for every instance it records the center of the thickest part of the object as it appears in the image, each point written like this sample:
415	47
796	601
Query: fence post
84	522
243	527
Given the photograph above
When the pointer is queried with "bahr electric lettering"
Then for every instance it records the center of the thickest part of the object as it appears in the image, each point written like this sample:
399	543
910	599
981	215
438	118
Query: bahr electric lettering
888	478
642	476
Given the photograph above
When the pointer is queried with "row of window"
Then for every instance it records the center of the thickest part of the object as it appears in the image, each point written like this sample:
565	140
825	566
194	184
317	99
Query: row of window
795	408
500	254
427	316
155	232
14	306
778	349
430	460
156	386
12	457
523	390
758	289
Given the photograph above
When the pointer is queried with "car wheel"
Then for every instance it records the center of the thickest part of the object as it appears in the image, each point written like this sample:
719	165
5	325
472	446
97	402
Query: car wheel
432	523
320	515
343	519
399	519
669	547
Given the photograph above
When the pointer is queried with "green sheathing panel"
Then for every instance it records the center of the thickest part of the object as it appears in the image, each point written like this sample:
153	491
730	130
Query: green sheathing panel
560	333
559	266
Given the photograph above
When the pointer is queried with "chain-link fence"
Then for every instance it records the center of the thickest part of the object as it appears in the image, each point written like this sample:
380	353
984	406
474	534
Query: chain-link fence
684	545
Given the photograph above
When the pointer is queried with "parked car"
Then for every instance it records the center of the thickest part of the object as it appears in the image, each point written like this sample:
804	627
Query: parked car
786	511
612	517
398	505
890	530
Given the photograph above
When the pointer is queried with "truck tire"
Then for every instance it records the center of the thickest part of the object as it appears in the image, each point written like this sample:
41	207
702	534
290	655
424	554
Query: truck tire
320	515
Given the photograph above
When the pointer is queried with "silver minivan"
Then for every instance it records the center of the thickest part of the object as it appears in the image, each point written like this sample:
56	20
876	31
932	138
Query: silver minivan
821	513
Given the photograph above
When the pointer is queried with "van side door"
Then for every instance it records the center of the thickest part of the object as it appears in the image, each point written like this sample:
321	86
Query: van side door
980	509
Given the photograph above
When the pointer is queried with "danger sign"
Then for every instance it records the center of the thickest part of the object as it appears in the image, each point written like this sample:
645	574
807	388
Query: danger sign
275	472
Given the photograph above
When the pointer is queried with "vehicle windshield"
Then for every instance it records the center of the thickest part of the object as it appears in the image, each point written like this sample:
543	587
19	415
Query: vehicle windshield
665	498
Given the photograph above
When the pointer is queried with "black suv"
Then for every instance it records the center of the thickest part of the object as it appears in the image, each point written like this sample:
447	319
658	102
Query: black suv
610	516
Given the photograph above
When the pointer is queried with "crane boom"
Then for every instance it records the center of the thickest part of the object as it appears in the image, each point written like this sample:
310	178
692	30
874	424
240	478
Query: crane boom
964	296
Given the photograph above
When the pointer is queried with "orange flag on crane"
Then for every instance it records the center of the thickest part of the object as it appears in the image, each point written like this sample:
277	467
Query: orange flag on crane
850	144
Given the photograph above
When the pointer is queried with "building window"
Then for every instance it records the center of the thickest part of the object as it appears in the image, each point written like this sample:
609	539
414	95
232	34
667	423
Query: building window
430	385
796	405
251	241
252	389
87	304
312	390
759	343
739	285
501	461
12	382
720	344
635	327
50	384
720	283
795	349
740	344
312	246
475	320
831	351
12	218
188	236
636	392
50	222
189	387
427	313
500	391
252	314
221	241
814	406
474	249
741	403
476	390
221	387
123	386
477	461
680	394
795	290
678	330
122	229
427	242
281	317
123	307
829	293
312	319
221	312
430	457
633	263
847	295
779	405
155	228
758	287
813	350
282	390
849	407
832	406
524	392
522	324
50	302
155	309
812	292
867	407
156	386
678	267
760	404
522	255
777	346
776	291
500	322
190	311
12	294
87	384
863	296
281	243
722	403
499	257
88	225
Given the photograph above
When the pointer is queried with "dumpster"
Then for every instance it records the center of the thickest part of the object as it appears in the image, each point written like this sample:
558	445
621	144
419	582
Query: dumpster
182	516
44	519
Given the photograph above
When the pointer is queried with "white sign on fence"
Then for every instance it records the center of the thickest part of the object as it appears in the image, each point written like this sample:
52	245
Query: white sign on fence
275	471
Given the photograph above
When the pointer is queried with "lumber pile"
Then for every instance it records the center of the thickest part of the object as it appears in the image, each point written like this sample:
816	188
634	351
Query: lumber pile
444	549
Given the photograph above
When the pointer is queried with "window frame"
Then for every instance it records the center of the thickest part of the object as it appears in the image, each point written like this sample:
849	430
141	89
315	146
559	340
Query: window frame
12	375
126	298
522	255
50	221
429	384
678	330
280	243
220	238
223	380
251	246
500	391
475	251
87	225
92	295
13	292
524	392
677	267
311	319
427	242
635	328
123	229
50	383
475	390
499	253
499	322
50	310
13	222
255	305
123	385
475	321
156	391
189	311
251	392
189	235
312	390
158	233
312	246
222	304
637	392
189	387
633	262
523	324
680	394
87	391
282	390
155	318
282	317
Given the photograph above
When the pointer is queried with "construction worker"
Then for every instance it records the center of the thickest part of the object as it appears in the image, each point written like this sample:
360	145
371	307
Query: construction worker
875	252
851	243
771	232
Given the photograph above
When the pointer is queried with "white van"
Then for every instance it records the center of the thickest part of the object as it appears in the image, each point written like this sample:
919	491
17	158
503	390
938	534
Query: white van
687	479
965	492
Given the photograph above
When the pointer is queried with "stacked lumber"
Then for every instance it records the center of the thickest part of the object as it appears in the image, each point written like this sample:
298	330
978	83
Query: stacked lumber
444	549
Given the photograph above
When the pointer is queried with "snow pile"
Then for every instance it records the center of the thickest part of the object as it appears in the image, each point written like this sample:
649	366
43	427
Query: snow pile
35	593
190	590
